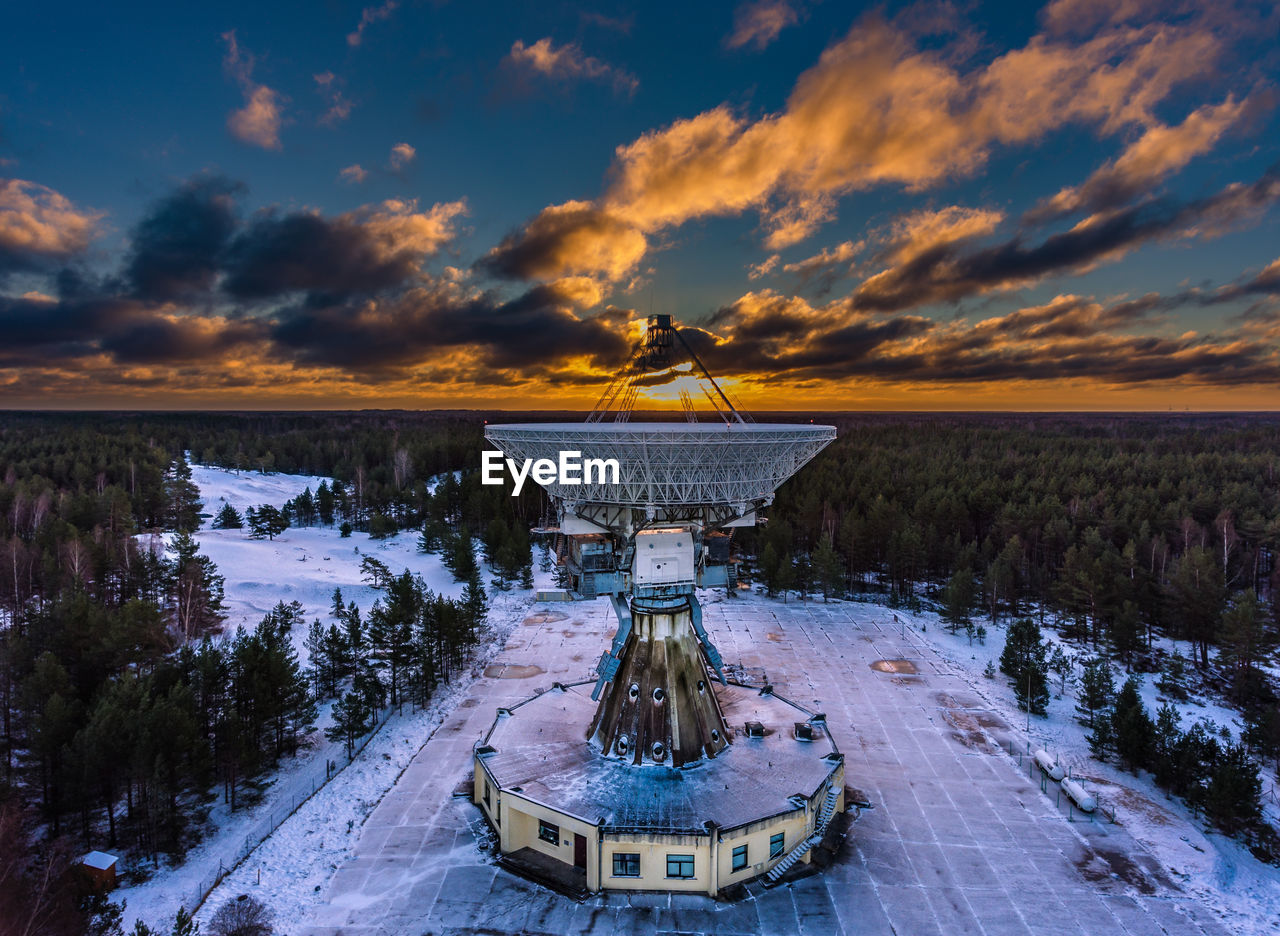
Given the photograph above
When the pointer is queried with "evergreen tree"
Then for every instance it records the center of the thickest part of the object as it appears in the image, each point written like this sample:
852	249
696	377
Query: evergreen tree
1024	661
957	599
786	576
477	605
319	665
828	567
182	495
1233	797
228	518
325	503
460	556
768	565
1097	690
1131	728
1248	641
1197	595
195	590
1061	664
1165	739
391	629
269	521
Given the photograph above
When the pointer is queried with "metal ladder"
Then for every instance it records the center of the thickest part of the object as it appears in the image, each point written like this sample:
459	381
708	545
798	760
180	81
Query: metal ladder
819	830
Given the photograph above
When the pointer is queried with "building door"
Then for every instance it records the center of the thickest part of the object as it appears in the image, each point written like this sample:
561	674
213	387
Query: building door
579	851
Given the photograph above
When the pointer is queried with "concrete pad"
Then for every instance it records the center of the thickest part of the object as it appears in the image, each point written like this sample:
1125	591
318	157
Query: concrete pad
958	841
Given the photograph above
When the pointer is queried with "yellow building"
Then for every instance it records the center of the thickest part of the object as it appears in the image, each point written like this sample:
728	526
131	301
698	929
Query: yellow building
756	809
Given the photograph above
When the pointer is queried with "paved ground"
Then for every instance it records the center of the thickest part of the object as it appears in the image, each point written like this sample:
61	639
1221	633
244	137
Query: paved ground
959	839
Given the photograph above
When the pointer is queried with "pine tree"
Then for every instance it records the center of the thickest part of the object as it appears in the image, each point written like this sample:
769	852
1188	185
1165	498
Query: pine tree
476	603
391	629
1061	664
182	495
1023	660
1097	689
786	575
1248	639
228	518
184	925
1131	727
1233	797
325	503
460	556
319	666
1165	739
768	565
957	599
269	521
829	567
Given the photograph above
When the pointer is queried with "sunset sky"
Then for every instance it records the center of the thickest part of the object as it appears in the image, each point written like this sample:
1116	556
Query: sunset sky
425	204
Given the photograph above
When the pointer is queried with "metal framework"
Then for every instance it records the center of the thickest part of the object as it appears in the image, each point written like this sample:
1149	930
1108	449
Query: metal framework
676	465
652	363
677	484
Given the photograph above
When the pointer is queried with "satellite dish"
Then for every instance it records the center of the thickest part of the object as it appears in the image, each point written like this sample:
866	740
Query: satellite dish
659	533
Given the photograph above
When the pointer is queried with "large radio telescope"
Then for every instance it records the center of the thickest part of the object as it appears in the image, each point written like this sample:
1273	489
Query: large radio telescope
648	543
679	484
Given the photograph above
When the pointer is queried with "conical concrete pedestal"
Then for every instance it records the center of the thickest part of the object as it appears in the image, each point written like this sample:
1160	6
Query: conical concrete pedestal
660	707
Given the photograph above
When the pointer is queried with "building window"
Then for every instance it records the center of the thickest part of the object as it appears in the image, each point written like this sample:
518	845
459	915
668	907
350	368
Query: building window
626	864
776	844
679	866
548	832
739	858
486	791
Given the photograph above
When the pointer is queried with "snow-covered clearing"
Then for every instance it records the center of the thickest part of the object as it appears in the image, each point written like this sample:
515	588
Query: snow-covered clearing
1219	870
305	564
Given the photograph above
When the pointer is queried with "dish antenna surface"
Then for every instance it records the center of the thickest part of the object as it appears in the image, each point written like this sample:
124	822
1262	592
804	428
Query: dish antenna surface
658	534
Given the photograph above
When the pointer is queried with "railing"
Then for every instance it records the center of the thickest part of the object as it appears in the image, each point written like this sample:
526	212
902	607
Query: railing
312	782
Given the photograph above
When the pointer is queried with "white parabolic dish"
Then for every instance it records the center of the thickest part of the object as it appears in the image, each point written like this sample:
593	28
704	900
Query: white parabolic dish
670	464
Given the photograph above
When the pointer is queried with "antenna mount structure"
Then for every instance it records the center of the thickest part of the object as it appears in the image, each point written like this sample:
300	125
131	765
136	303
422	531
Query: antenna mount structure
654	361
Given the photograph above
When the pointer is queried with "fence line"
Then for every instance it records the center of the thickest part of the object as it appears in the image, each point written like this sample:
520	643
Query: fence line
267	824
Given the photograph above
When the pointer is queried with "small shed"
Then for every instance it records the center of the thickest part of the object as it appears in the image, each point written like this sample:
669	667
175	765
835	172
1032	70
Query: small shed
101	869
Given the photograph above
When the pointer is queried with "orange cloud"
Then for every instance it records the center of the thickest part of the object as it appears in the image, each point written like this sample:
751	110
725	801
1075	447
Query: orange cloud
258	122
567	62
396	226
369	16
339	105
575	237
921	231
759	23
354	174
876	110
402	154
38	223
1160	151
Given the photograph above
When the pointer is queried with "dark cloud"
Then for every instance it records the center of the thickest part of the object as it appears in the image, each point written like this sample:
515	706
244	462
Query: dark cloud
953	271
279	254
58	329
34	331
158	340
536	329
178	245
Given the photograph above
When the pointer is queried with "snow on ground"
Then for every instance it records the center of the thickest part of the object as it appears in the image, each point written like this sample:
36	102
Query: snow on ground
302	564
1217	869
306	564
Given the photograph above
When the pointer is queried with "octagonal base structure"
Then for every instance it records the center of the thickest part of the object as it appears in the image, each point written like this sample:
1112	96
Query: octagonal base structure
558	804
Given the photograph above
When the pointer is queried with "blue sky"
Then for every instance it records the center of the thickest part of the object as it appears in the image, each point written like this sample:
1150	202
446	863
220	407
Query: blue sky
563	169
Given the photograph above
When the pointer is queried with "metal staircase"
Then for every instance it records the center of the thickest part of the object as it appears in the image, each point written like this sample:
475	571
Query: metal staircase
819	830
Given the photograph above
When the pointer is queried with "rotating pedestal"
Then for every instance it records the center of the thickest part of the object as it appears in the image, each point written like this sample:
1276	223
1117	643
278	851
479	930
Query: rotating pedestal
572	811
660	707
